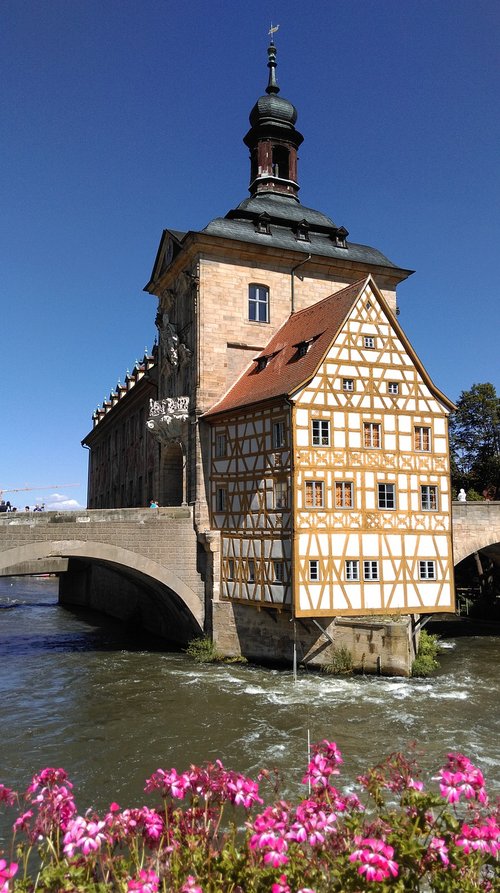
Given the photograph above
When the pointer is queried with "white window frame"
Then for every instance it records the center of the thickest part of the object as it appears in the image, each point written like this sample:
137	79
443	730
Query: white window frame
429	494
348	384
427	570
386	493
251	570
374	432
281	493
230	569
279	434
421	436
279	571
344	487
220	445
371	571
314	487
320	432
369	342
314	570
352	570
393	387
221	499
258	302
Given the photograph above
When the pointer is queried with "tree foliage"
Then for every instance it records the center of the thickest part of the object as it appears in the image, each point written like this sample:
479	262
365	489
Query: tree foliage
475	442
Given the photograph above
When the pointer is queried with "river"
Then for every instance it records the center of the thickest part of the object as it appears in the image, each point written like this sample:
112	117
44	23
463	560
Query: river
80	691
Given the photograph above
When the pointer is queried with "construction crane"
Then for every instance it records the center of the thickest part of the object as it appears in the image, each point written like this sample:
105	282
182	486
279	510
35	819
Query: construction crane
25	489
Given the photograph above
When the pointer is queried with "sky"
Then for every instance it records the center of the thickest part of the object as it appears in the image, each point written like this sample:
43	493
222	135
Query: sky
123	118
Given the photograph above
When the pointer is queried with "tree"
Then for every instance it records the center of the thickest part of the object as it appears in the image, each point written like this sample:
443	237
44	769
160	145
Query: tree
475	441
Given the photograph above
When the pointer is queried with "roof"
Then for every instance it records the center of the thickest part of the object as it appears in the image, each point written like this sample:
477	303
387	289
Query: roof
285	213
286	370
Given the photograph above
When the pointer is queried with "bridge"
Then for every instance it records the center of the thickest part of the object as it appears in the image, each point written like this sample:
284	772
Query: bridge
144	566
149	568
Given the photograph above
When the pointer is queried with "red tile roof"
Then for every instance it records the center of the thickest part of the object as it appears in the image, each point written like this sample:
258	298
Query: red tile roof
286	370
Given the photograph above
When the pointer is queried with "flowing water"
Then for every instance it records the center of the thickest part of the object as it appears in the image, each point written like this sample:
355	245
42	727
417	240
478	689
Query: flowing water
79	691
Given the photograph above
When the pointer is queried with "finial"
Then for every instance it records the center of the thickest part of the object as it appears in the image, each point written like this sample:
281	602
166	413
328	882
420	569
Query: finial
272	86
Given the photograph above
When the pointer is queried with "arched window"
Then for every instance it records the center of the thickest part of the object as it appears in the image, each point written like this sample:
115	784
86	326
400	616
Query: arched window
281	162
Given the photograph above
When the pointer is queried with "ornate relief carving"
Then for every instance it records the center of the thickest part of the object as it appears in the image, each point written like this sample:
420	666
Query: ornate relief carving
168	419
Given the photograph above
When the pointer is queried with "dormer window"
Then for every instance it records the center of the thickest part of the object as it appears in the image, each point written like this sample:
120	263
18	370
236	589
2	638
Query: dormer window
262	363
303	231
340	236
302	348
262	224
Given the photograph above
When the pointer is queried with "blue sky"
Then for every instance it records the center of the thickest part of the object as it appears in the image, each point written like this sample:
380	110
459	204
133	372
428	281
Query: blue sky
123	118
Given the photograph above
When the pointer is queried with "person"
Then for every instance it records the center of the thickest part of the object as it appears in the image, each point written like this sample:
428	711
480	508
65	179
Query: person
462	495
153	504
3	506
26	508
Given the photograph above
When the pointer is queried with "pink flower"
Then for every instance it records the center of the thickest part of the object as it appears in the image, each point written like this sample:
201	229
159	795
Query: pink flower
312	823
461	777
324	763
437	846
190	886
281	886
7	795
376	859
6	873
47	778
170	783
87	836
147	882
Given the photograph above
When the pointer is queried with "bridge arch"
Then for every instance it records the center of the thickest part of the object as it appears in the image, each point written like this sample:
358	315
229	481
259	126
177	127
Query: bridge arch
136	567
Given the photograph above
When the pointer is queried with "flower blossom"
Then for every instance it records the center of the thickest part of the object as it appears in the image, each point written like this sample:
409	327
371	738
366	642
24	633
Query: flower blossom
281	886
376	859
437	847
6	873
480	838
170	783
190	886
87	836
147	882
312	823
324	763
461	777
7	795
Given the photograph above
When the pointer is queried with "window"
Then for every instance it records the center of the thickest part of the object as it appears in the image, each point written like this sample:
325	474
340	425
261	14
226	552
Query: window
314	494
427	570
344	492
422	439
220	445
230	569
393	387
348	384
314	575
352	569
279	571
386	496
258	303
370	570
320	432
251	570
371	435
369	342
278	435
220	499
429	498
281	494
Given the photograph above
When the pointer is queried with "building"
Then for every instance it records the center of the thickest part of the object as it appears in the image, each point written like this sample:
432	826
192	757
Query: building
291	411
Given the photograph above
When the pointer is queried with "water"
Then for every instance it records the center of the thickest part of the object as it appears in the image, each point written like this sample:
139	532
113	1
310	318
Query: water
81	692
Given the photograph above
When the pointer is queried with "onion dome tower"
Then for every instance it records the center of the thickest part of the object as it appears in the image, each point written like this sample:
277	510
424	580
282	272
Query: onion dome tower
273	140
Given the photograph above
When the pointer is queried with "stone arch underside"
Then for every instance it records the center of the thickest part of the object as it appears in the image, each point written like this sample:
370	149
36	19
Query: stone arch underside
130	564
488	539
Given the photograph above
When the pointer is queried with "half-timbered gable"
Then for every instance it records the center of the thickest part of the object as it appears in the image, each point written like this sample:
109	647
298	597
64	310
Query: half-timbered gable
369	476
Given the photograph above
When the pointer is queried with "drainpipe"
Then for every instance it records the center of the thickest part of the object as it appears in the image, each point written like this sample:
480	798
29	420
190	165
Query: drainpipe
292	273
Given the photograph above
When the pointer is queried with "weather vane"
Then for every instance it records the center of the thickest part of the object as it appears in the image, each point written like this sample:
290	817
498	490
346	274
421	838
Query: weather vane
272	30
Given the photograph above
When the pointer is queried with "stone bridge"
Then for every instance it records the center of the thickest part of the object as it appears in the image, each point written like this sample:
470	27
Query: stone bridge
476	528
141	565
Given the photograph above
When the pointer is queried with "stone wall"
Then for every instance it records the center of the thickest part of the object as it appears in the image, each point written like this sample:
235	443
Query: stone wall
376	645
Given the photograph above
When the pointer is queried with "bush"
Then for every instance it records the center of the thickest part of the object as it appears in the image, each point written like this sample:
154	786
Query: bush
425	662
210	832
341	663
203	651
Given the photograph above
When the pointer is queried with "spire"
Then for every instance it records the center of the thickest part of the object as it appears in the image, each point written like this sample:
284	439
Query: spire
272	139
272	86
